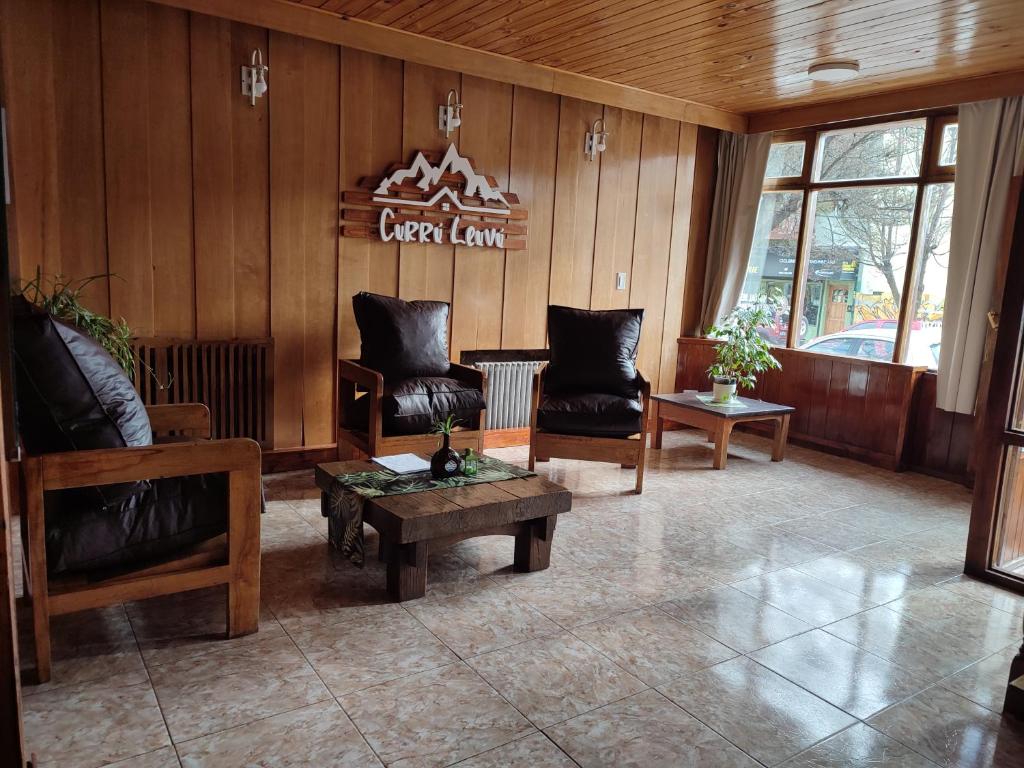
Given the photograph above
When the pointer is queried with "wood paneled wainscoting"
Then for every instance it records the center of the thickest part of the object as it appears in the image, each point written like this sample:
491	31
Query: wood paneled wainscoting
940	442
850	407
221	219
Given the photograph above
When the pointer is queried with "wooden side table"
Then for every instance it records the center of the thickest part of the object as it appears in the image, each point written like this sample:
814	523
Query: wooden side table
718	421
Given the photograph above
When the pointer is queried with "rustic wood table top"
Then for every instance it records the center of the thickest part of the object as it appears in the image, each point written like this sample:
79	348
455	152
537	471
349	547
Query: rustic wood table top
444	512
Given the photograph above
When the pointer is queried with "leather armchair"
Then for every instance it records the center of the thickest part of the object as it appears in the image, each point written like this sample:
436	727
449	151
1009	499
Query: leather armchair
403	382
590	402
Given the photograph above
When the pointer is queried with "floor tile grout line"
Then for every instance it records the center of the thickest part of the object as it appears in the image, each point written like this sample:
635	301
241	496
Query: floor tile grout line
149	677
331	693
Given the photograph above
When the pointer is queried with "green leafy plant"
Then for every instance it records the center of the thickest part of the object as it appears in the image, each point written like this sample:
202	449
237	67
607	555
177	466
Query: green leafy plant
62	298
445	426
742	352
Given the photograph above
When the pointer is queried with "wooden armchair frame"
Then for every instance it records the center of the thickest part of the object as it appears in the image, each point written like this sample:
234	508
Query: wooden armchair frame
234	561
353	377
630	452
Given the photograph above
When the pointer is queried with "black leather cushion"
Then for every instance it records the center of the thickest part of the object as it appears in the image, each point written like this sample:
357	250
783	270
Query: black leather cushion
411	406
163	517
597	415
71	395
400	338
593	351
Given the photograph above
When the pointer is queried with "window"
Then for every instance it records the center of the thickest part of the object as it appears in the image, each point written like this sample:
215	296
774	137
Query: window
947	149
872	152
854	240
769	278
786	159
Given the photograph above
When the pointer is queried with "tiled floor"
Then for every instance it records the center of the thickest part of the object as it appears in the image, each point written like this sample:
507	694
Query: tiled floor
810	613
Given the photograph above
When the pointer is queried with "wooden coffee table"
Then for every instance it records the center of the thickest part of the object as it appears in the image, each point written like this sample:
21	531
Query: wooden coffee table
718	421
413	525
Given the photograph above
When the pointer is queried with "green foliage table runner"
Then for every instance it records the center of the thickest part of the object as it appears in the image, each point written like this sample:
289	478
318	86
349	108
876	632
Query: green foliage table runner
344	509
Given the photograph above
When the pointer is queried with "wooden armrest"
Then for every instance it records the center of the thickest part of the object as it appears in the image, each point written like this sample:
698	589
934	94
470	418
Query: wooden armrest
467	374
193	418
644	385
372	380
538	386
78	469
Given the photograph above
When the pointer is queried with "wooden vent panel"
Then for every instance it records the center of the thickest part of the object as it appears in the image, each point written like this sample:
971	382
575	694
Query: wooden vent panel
234	379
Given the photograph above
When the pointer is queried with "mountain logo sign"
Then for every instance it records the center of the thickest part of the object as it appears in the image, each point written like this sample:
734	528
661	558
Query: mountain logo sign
436	199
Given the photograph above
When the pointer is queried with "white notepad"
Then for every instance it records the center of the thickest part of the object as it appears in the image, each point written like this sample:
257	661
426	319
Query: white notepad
403	463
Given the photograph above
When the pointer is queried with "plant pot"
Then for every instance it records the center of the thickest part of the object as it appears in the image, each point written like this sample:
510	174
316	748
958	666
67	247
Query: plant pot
723	389
446	462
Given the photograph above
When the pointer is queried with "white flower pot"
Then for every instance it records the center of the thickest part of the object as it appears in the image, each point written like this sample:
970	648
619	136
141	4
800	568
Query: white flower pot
723	393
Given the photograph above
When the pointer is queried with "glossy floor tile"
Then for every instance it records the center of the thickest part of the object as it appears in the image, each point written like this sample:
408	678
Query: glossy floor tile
810	599
930	652
953	731
645	731
653	646
555	678
482	621
93	724
220	690
734	618
859	746
434	718
320	734
535	751
647	642
842	674
765	715
984	682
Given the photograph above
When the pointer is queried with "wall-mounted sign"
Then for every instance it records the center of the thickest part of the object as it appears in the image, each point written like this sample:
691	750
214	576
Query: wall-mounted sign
439	199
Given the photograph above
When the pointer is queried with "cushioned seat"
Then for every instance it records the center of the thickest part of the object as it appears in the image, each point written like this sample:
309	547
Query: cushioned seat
411	406
168	515
596	415
404	351
72	395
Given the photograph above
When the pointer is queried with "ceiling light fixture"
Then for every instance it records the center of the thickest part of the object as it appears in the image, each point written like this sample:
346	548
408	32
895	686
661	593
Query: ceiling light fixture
833	71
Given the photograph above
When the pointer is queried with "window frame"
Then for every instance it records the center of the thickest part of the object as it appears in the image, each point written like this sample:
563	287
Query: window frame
930	173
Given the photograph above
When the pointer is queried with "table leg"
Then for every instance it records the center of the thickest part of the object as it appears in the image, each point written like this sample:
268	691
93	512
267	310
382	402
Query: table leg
407	571
533	544
659	426
781	434
722	433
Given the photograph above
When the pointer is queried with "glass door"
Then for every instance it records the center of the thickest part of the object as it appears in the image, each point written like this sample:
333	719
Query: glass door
995	547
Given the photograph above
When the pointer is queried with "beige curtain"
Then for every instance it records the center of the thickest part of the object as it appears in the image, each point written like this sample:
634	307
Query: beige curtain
742	161
989	153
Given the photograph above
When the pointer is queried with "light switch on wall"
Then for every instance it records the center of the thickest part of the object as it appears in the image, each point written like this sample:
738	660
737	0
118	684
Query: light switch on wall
620	281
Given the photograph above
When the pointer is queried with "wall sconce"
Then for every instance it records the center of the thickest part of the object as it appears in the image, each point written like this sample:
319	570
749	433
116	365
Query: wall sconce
597	140
254	78
449	114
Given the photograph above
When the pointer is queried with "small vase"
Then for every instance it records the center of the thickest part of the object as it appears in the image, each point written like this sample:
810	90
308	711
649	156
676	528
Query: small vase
446	462
723	390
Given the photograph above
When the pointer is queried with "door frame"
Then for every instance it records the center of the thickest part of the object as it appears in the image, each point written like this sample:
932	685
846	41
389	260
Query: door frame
992	436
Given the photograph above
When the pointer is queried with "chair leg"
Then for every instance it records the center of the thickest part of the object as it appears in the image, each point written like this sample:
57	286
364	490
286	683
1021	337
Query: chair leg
640	463
34	521
244	552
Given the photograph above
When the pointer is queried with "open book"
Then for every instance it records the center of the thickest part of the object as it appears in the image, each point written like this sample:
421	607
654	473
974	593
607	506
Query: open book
403	463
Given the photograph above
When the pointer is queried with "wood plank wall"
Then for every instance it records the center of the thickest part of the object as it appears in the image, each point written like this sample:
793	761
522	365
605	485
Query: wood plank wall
940	443
133	152
856	408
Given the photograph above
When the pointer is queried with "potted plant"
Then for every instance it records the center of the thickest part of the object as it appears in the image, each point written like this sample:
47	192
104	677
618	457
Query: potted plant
446	462
742	352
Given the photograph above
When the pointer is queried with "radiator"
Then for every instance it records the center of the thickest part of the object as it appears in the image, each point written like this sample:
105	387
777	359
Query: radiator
234	379
509	388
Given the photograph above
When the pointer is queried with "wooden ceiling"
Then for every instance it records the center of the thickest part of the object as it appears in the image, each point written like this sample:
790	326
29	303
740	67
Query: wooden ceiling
742	56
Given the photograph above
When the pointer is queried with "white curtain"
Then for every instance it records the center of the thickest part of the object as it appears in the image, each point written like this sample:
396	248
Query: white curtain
989	153
742	161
